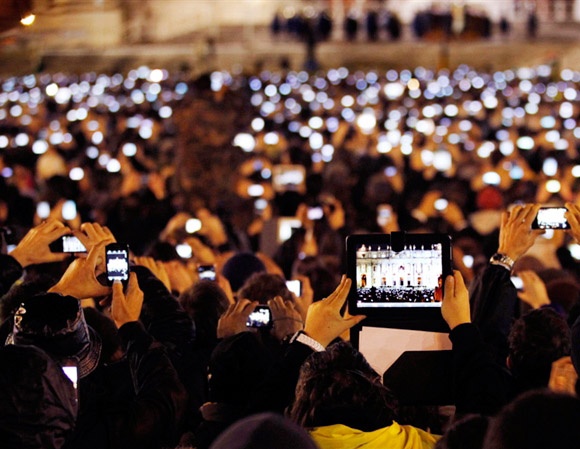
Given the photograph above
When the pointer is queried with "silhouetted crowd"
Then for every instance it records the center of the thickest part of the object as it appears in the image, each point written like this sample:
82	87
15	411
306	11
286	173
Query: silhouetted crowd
225	187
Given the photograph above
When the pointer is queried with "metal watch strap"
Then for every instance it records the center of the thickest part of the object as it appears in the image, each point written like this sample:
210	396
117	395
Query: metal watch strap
502	260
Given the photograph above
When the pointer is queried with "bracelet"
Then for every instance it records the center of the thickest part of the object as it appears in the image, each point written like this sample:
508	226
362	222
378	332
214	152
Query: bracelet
301	337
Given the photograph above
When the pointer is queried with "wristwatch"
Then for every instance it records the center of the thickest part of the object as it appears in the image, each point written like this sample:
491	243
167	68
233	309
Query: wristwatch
301	337
502	260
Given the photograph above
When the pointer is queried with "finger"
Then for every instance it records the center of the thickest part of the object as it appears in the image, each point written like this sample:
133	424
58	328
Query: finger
95	256
50	225
458	281
341	292
449	288
132	284
118	294
353	320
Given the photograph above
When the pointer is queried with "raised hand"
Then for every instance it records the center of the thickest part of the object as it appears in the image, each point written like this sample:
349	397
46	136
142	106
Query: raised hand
455	305
516	235
34	249
286	319
324	322
233	321
126	306
80	278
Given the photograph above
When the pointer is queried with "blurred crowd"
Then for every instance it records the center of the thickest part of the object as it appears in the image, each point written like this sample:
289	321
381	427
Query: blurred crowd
376	24
253	179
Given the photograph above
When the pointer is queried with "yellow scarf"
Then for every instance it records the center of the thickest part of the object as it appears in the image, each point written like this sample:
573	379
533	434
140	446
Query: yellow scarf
394	436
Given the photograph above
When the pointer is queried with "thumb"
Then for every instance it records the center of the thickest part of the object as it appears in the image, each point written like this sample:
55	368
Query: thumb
117	289
354	320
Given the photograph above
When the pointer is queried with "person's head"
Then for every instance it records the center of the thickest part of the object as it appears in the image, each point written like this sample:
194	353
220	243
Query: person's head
539	419
338	386
205	302
465	433
537	339
264	431
262	287
37	400
240	267
237	366
57	325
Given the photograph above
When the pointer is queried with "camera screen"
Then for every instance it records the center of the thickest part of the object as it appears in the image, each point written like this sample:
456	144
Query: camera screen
288	177
260	317
117	264
551	218
206	272
71	244
412	277
295	287
72	373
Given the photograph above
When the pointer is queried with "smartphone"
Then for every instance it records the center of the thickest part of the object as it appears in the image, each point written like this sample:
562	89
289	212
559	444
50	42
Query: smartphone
518	283
72	372
315	213
441	204
69	210
184	250
260	317
193	225
67	244
117	260
551	218
295	286
384	214
206	272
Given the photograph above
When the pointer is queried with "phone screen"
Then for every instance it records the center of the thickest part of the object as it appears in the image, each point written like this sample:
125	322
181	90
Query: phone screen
315	213
384	214
260	317
518	283
117	259
71	244
206	272
295	286
551	218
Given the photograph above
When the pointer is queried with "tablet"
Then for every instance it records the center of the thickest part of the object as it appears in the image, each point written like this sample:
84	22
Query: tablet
398	279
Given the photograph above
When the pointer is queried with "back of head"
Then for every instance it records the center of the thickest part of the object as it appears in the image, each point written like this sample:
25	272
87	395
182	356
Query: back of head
338	386
205	302
262	287
465	433
264	431
38	402
240	267
538	419
238	364
537	339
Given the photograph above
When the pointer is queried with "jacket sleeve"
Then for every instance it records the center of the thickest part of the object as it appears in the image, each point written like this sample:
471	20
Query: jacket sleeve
160	402
494	306
480	384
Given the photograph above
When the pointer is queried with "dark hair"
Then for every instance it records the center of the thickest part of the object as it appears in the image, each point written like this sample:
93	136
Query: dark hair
205	302
537	339
262	287
338	386
465	433
538	419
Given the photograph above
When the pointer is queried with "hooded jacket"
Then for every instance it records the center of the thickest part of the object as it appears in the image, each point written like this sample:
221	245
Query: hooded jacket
395	436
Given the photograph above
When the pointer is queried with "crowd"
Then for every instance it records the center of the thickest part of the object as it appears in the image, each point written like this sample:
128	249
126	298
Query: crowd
198	176
380	24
